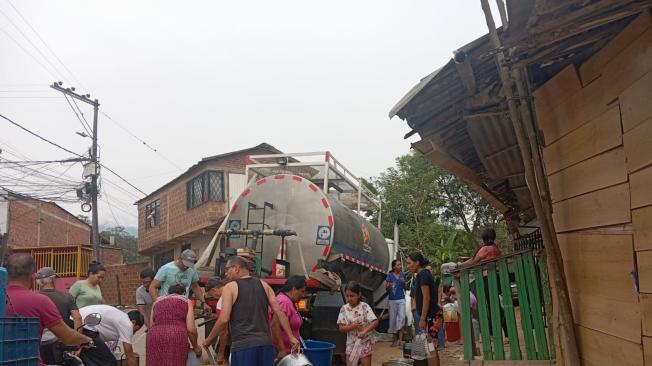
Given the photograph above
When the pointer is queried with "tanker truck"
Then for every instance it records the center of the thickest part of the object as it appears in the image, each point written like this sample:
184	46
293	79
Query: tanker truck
307	218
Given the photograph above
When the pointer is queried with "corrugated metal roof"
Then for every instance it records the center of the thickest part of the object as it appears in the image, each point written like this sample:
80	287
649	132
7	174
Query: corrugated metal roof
438	108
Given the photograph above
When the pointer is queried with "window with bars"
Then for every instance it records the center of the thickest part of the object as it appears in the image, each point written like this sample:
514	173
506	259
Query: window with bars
208	186
152	214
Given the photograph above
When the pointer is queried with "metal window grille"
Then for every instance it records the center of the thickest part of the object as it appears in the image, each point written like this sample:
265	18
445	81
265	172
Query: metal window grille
153	214
208	186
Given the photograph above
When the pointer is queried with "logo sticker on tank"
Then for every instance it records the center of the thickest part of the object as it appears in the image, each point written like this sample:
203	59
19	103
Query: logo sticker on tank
323	235
235	225
366	239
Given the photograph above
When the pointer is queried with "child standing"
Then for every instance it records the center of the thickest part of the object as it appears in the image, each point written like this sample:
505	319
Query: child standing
357	319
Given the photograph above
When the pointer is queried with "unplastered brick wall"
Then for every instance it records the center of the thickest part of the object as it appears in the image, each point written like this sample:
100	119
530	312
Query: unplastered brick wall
37	223
175	218
120	283
110	256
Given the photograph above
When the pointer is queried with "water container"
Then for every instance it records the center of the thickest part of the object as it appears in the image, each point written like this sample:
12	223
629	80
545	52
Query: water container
319	353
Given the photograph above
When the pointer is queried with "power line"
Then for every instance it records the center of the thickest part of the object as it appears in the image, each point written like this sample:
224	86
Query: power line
140	140
40	137
30	42
45	44
29	53
85	126
82	114
123	179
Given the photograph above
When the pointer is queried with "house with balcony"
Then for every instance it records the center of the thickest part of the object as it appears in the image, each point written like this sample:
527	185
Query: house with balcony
186	212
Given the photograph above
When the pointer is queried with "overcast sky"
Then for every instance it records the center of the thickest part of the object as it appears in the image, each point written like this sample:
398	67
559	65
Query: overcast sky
199	78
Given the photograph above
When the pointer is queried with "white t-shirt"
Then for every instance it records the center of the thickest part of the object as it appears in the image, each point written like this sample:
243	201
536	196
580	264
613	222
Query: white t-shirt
115	324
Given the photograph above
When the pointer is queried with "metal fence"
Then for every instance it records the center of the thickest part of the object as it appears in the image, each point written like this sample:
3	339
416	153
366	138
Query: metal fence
67	260
508	288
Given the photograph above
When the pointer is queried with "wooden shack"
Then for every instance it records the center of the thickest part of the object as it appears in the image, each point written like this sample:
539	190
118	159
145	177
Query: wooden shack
596	134
588	88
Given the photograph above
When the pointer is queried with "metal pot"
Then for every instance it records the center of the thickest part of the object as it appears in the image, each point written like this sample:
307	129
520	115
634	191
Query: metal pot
294	359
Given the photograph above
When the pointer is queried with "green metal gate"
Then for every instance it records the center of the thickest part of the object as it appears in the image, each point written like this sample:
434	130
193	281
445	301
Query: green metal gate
522	280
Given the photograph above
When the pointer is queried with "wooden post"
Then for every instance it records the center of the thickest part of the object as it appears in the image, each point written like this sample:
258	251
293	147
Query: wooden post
568	343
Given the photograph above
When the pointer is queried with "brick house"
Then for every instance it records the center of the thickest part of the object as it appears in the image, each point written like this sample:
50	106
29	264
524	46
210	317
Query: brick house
29	222
187	211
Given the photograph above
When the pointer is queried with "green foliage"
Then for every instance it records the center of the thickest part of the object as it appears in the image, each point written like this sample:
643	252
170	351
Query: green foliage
125	241
437	212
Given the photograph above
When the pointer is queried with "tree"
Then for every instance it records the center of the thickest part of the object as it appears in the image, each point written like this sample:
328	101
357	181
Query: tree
125	241
437	212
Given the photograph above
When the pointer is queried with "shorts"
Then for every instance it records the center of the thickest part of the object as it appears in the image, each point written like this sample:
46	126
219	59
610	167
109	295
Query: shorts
367	348
434	324
396	315
255	356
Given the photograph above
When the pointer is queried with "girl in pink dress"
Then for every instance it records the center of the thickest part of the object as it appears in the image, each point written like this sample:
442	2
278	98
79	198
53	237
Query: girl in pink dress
357	320
173	324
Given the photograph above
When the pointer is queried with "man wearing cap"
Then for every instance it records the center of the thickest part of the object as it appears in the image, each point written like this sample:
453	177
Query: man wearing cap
65	303
181	271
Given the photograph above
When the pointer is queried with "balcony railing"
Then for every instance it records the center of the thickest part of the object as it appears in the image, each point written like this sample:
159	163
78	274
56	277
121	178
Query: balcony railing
67	260
519	282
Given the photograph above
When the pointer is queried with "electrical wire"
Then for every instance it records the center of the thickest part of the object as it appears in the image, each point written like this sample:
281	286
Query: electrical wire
123	179
87	129
46	45
28	53
140	140
32	43
39	136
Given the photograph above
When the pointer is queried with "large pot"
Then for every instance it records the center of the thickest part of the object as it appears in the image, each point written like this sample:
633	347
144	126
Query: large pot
295	359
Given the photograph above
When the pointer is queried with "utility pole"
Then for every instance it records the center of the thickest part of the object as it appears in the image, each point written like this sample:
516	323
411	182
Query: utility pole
94	161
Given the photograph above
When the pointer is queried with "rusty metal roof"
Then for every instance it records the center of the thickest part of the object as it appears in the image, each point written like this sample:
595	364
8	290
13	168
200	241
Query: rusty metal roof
464	114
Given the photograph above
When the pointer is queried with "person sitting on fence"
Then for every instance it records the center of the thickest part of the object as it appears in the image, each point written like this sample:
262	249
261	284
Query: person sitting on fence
21	302
488	251
88	292
143	298
117	326
45	280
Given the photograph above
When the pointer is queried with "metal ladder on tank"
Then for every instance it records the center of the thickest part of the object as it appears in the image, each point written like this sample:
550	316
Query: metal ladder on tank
261	226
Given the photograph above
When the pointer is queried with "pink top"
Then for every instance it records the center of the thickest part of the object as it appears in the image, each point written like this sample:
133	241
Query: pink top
488	252
287	306
32	305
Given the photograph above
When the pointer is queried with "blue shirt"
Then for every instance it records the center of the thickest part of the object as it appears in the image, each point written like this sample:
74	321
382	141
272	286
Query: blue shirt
171	274
397	291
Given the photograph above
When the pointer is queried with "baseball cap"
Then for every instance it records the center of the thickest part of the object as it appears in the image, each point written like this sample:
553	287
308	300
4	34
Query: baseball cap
213	282
46	272
189	258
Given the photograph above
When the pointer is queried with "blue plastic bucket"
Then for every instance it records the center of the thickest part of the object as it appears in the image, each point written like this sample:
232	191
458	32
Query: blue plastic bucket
319	353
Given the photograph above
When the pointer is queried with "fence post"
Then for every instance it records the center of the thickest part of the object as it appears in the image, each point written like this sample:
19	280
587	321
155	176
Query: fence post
510	317
494	304
79	262
524	305
547	300
483	315
465	303
535	304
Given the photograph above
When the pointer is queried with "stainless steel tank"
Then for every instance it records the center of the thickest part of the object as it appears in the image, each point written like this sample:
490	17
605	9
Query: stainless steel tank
326	230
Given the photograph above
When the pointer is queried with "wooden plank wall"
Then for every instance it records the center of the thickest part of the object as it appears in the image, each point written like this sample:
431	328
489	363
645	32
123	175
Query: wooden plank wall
596	124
